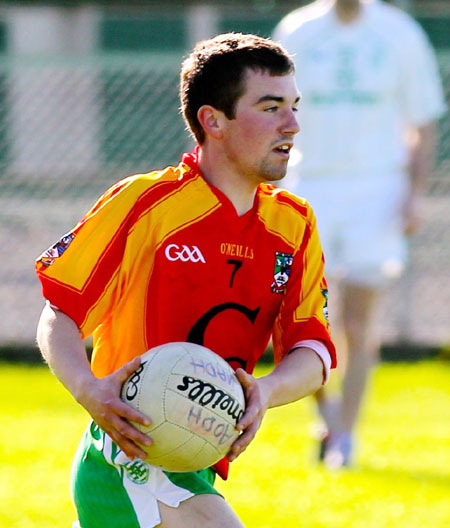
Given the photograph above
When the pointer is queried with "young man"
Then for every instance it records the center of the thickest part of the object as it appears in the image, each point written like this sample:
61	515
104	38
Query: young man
370	96
203	252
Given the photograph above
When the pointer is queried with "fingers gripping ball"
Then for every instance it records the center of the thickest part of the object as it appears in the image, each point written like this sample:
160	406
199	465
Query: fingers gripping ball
194	401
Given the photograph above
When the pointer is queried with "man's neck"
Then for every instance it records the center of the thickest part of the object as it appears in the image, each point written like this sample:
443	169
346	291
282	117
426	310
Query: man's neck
239	190
348	11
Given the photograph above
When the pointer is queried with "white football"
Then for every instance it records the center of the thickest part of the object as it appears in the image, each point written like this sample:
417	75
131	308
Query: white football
194	401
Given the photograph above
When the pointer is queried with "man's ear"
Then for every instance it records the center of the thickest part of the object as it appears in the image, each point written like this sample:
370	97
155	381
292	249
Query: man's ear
211	120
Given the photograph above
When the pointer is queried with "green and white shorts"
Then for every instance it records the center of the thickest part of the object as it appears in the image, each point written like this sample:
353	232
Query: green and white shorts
111	490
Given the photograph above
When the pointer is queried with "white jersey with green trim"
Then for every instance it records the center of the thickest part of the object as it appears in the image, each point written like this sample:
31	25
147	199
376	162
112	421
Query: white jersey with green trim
363	84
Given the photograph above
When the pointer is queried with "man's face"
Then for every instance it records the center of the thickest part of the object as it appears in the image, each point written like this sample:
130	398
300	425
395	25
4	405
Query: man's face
258	140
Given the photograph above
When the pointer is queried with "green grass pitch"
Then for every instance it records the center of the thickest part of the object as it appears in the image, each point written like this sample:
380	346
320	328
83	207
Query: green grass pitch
401	479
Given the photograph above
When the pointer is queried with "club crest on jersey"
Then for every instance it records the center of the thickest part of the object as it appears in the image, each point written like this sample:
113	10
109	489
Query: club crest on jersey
282	271
48	257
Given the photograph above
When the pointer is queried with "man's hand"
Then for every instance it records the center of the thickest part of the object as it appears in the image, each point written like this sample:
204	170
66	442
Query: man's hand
101	398
256	406
62	347
299	374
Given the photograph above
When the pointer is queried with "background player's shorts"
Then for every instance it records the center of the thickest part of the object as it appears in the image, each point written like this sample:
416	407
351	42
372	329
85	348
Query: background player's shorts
360	224
110	490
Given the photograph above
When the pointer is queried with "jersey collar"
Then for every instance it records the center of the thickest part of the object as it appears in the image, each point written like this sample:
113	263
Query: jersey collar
191	160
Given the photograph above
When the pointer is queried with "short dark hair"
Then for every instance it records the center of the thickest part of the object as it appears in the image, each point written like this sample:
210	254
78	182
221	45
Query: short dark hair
214	72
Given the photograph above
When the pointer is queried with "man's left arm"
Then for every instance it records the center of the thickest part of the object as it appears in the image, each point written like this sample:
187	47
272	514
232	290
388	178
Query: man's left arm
298	374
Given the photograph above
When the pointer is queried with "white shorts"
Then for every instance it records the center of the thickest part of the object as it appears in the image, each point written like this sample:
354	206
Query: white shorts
360	225
110	490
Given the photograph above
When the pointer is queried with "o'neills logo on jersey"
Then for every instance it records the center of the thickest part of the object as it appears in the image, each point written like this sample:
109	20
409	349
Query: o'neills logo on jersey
236	250
184	253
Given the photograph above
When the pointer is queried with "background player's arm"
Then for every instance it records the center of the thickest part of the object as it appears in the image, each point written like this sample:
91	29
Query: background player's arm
423	144
61	345
298	375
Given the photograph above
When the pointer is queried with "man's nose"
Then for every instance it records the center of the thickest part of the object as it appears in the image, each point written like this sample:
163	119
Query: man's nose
291	125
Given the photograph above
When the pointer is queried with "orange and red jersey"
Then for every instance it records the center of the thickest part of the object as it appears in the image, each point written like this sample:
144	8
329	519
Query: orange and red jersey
164	257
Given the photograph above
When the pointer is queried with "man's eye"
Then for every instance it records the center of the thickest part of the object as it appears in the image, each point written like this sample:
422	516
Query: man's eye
271	109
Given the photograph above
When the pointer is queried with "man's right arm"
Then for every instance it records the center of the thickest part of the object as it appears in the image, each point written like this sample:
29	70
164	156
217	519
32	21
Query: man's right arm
62	347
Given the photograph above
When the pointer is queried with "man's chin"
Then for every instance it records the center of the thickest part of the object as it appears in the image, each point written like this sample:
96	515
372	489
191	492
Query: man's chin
275	177
273	172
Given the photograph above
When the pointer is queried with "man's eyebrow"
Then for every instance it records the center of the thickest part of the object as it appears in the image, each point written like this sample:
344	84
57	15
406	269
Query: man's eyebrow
275	98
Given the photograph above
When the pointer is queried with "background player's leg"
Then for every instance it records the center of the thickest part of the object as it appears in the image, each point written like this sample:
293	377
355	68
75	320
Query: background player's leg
359	303
328	398
358	310
205	511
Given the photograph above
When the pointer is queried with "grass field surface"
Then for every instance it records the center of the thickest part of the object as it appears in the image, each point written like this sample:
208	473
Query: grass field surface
401	478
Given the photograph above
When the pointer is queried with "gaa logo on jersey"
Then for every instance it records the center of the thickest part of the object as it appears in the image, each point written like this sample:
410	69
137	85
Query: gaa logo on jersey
184	253
282	271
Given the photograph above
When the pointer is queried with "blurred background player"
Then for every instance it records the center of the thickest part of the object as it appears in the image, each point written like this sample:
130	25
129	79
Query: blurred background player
370	97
